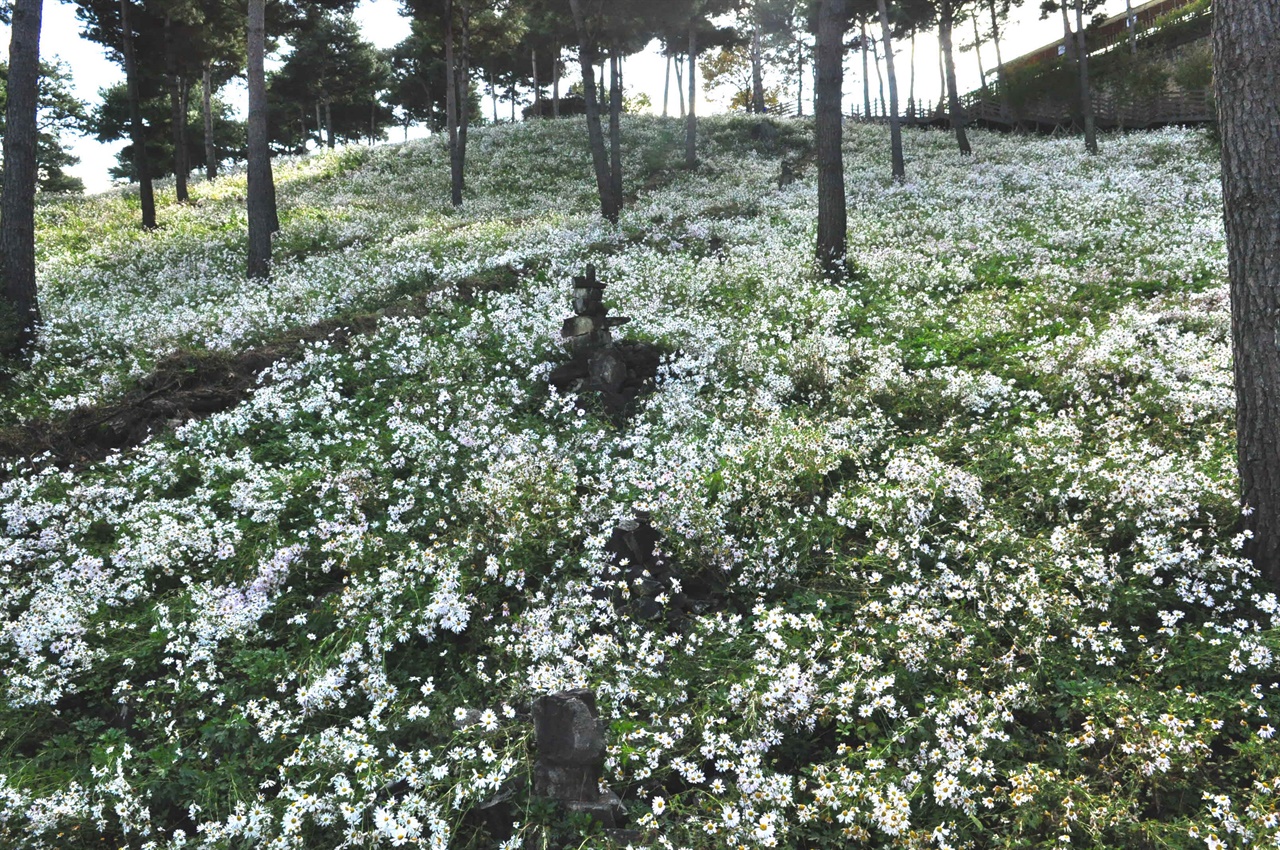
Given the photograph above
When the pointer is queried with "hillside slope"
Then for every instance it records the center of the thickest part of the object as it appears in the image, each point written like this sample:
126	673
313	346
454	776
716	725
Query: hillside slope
947	553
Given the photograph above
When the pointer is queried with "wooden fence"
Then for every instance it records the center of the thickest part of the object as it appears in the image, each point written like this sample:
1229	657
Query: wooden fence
1046	115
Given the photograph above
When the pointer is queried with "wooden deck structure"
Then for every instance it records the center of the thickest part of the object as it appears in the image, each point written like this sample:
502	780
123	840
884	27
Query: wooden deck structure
1178	109
986	107
1111	32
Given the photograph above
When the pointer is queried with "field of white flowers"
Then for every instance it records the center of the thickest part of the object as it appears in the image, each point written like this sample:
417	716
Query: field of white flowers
953	545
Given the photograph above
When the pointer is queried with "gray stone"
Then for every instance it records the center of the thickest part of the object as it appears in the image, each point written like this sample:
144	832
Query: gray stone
468	717
578	326
571	747
607	370
588	300
605	810
647	609
624	837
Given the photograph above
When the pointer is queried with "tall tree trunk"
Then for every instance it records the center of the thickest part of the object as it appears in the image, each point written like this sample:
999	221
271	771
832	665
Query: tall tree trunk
328	123
464	93
451	107
493	95
942	72
977	52
1132	26
995	39
832	221
176	116
206	108
1246	61
260	188
679	64
1068	40
875	58
895	126
18	195
757	70
615	125
866	75
186	111
137	133
181	157
911	88
555	88
691	119
319	126
953	94
537	85
1086	96
800	81
599	158
666	87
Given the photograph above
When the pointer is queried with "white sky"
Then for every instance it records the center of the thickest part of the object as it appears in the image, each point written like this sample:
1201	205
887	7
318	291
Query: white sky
382	24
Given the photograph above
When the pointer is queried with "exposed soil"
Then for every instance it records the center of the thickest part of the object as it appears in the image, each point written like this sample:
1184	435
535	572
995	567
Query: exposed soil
189	385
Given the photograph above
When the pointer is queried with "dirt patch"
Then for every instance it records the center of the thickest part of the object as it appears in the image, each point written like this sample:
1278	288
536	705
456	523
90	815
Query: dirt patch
189	385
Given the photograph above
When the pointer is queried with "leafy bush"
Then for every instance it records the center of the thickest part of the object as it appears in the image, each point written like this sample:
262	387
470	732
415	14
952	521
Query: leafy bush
953	549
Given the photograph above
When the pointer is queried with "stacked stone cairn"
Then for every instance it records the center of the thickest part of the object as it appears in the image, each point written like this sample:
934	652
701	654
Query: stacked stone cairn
616	372
571	749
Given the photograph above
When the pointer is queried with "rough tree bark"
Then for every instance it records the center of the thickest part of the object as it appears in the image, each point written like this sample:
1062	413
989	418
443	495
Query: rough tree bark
757	70
261	190
875	60
666	87
1068	40
832	221
679	64
18	197
1246	48
137	134
799	79
464	90
599	158
615	125
1086	96
866	75
995	39
177	115
911	86
691	118
977	52
1131	25
942	72
451	107
895	126
206	107
537	84
949	66
555	88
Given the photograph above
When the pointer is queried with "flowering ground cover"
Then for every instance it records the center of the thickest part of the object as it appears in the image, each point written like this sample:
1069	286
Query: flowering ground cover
954	545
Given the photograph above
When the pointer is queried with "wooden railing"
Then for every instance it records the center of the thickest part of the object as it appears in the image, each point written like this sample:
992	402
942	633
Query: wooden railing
1109	112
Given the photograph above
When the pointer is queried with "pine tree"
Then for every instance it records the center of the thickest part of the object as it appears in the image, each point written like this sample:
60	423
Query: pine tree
832	222
1246	48
18	196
